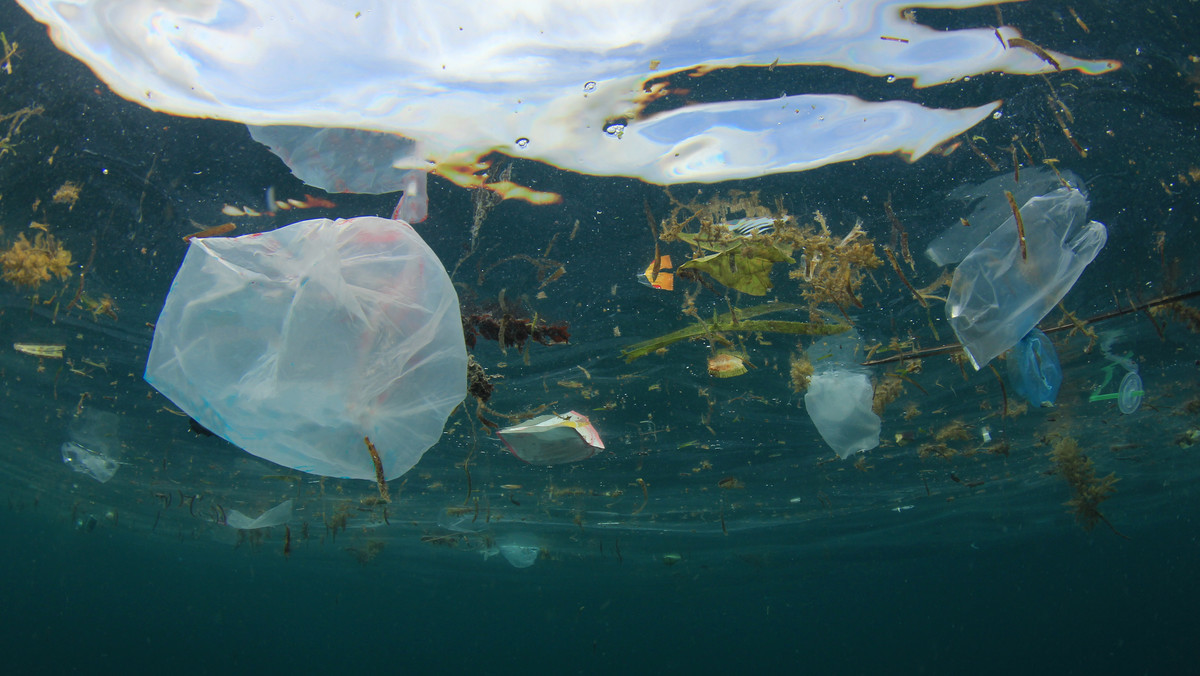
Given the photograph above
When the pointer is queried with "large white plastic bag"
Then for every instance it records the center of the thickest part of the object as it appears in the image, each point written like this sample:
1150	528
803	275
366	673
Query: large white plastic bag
996	297
295	344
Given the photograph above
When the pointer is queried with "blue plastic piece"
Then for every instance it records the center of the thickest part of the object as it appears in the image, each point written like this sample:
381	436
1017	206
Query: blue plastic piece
1033	369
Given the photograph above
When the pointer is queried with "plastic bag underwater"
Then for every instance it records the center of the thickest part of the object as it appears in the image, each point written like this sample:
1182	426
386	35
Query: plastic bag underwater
997	295
295	344
94	448
990	208
1033	369
840	395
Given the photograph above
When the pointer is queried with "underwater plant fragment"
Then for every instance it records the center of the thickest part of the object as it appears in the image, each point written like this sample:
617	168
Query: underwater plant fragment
1088	490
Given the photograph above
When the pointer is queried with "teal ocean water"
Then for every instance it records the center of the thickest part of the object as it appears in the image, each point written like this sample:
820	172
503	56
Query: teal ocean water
718	531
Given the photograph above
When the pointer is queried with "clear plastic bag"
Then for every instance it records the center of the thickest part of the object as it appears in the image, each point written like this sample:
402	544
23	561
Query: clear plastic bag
990	208
295	344
997	296
840	394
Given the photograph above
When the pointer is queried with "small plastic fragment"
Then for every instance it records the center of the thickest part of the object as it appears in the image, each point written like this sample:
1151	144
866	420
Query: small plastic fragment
840	394
553	439
277	515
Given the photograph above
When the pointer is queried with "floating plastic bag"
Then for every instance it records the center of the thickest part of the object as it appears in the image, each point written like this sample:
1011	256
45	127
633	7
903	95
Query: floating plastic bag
840	394
94	448
553	439
276	516
1033	369
996	297
990	208
587	86
295	344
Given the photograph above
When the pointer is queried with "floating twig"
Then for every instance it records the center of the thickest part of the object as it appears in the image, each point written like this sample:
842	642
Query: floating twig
383	487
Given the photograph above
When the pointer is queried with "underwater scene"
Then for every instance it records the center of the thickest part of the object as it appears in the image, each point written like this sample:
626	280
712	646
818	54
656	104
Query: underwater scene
684	337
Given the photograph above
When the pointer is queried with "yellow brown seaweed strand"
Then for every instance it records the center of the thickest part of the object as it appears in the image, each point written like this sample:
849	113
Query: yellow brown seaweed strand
1020	223
900	273
383	487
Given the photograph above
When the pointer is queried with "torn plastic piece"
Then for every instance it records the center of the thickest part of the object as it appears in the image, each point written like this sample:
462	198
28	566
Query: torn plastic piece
520	550
295	344
840	395
341	160
553	439
1033	369
277	515
94	448
996	296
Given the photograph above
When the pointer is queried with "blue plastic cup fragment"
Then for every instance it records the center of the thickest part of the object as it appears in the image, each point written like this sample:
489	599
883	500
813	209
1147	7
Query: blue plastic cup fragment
1033	369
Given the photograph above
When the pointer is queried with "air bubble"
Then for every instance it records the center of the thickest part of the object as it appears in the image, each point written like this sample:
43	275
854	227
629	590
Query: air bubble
616	128
589	86
997	115
891	78
522	142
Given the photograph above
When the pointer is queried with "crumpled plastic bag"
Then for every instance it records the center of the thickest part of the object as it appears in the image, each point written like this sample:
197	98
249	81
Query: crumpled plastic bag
990	208
996	297
295	344
840	395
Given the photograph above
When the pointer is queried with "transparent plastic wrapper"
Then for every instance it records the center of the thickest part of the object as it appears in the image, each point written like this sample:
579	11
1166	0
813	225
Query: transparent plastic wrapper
553	439
1033	369
276	516
998	295
295	344
840	395
94	448
990	208
586	86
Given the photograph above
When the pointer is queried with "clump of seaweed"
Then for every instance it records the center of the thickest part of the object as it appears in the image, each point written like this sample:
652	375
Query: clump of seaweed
936	450
28	263
801	371
1180	312
956	430
831	266
886	391
1089	490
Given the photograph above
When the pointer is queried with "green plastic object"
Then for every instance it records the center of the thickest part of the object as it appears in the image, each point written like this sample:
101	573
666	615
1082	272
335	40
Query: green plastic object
1129	393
